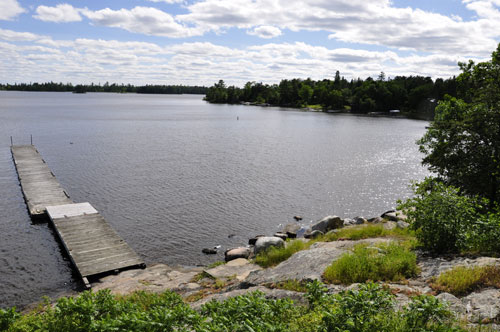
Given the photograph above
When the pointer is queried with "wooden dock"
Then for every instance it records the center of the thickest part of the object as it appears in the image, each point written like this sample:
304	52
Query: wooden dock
40	186
92	245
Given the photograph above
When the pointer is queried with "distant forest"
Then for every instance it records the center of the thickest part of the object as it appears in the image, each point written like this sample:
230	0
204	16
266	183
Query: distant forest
414	95
117	88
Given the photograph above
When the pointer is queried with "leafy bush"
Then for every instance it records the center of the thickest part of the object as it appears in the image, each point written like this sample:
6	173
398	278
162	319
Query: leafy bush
274	255
102	311
7	318
251	312
386	262
462	280
370	308
442	219
484	235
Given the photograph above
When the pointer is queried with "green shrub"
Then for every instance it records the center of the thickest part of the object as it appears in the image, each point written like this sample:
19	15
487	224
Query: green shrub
386	262
274	255
102	311
462	280
7	318
370	308
250	312
442	218
483	238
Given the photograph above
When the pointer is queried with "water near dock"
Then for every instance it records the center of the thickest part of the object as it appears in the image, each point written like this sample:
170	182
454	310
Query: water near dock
172	175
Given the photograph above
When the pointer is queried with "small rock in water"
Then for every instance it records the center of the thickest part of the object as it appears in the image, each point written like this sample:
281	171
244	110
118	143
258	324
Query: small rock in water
209	251
231	236
298	218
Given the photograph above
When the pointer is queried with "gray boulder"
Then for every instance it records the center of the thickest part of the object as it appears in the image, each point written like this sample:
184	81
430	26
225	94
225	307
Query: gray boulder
348	221
235	253
376	220
402	224
266	242
328	223
359	220
282	236
313	234
483	306
291	229
254	239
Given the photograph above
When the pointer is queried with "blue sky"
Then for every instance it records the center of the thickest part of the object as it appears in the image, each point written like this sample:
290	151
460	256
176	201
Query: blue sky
202	41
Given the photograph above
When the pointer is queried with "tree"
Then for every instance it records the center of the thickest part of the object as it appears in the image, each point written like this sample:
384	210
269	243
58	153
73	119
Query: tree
462	144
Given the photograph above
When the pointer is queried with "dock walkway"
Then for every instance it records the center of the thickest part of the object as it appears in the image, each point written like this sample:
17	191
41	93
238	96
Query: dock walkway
92	245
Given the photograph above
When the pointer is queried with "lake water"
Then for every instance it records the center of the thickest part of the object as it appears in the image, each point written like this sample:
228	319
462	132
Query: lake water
173	174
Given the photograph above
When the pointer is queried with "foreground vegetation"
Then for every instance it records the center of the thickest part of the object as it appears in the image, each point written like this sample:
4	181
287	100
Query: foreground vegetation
368	309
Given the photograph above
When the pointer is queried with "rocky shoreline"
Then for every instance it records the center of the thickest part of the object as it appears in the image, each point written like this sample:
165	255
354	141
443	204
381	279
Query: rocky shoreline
240	275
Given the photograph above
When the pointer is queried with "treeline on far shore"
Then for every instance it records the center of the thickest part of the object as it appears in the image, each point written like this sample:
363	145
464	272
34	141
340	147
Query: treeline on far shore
116	88
414	95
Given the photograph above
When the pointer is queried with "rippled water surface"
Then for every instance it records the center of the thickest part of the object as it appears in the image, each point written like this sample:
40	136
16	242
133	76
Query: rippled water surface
173	174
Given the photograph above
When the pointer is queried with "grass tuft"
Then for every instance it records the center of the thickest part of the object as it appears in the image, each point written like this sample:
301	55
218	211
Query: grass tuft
367	232
291	285
273	256
462	280
385	262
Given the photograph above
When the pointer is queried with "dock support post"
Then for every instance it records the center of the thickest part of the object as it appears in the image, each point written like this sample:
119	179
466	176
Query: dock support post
11	144
86	283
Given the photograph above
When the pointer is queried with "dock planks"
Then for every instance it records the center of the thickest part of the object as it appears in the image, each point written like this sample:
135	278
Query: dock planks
40	187
92	245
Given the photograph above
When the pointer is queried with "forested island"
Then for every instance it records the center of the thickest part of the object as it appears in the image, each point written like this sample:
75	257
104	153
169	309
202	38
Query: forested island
414	95
106	87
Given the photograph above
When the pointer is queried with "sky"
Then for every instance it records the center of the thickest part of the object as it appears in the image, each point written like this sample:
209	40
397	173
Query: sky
198	42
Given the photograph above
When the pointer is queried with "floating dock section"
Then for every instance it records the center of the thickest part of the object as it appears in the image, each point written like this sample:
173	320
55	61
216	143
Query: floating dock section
92	245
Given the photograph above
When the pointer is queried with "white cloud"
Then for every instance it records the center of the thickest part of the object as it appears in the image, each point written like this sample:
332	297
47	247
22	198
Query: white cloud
18	36
60	13
375	22
265	31
9	9
85	60
145	20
